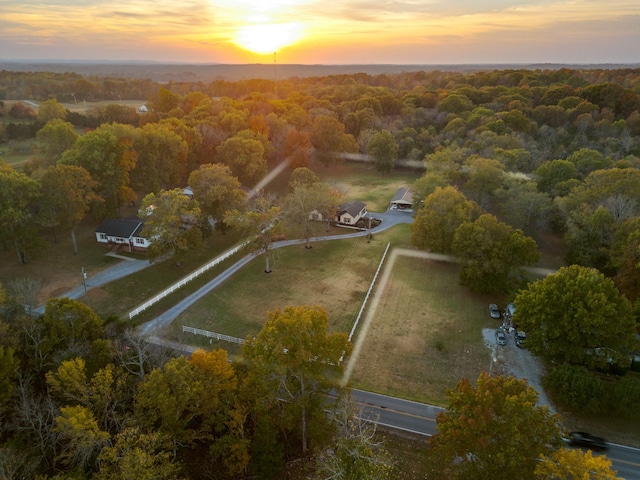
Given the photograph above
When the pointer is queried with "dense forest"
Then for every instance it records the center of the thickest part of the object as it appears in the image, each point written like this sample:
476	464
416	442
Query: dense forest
508	154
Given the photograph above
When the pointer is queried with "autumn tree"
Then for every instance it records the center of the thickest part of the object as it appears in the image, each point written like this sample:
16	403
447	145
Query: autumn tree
217	190
567	463
576	315
494	429
245	158
25	290
329	138
193	401
297	148
108	155
51	110
171	223
83	439
384	150
438	218
296	361
67	195
262	221
135	455
355	453
305	208
161	159
491	254
55	138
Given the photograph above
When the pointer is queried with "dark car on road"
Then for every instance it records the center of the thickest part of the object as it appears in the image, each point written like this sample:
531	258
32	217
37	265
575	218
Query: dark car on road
584	439
494	311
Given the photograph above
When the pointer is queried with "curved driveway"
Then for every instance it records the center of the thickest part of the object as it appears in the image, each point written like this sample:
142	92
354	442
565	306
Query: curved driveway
152	327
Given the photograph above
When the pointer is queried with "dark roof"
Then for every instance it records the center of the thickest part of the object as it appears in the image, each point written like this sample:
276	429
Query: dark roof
403	194
123	227
352	208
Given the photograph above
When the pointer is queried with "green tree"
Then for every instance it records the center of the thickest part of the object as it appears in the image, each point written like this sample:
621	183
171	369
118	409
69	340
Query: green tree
494	429
171	223
524	207
328	138
161	159
297	361
302	176
55	138
576	315
484	178
566	463
305	208
9	368
557	177
439	217
19	194
216	191
70	325
491	254
384	150
107	154
587	161
51	110
262	221
245	158
67	195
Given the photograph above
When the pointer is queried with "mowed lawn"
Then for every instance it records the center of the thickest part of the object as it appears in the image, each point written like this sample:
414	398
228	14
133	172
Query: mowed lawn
426	334
335	275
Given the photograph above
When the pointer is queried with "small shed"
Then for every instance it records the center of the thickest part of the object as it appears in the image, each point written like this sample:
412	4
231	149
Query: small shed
402	200
349	213
122	233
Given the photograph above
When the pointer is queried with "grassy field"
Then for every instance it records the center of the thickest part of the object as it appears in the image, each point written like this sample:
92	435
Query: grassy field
334	275
426	333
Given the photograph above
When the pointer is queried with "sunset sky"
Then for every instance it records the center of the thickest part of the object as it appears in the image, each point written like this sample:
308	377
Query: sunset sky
323	32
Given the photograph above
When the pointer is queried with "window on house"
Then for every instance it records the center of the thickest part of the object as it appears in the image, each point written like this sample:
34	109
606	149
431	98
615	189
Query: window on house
140	241
103	236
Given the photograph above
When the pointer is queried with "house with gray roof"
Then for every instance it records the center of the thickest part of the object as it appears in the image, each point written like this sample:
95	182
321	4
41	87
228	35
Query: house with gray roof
349	213
122	234
402	200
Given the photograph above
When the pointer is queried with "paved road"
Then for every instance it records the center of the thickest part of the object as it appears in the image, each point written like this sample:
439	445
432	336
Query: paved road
120	270
155	326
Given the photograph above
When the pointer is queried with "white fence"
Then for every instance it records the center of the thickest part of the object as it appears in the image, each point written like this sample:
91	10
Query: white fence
217	336
185	280
366	298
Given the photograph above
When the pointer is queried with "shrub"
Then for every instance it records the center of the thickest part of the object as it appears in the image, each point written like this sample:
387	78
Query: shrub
578	388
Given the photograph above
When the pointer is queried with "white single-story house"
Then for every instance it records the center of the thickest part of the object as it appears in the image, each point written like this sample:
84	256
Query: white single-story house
349	213
402	200
123	233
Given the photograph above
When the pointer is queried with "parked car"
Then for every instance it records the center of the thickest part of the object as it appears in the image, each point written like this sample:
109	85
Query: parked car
584	439
494	311
520	338
501	338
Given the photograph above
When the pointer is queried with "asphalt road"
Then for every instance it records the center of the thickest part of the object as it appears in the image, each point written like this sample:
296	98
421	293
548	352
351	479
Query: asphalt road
389	412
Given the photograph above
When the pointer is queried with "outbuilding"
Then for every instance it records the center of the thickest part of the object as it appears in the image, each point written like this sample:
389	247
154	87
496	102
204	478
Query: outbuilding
402	200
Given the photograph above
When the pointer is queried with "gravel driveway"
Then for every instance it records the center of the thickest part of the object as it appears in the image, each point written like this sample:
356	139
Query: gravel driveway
512	360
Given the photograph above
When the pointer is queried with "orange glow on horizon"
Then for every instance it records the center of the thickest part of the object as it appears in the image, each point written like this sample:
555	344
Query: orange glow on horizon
263	38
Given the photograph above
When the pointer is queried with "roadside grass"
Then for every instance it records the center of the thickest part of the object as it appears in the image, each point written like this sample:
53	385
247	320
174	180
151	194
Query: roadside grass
56	265
335	275
123	295
426	334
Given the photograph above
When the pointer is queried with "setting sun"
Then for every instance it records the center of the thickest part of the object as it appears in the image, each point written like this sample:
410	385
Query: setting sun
267	37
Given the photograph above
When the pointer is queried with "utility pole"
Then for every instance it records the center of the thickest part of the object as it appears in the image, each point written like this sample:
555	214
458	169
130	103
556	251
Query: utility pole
84	281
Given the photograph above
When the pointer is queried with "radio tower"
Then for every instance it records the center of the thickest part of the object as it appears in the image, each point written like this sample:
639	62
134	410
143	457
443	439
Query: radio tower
275	74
